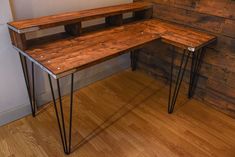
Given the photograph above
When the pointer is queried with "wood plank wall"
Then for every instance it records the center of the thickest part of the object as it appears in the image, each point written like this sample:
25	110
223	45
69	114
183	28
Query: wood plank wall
217	80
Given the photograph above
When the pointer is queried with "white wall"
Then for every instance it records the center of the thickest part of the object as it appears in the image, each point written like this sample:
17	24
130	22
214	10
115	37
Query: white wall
34	8
13	98
12	87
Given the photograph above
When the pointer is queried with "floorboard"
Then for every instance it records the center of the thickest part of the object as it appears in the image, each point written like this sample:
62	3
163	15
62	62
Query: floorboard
127	114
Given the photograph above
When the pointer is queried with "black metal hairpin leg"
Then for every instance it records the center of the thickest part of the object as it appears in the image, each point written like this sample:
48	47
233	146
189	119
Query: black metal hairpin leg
60	118
31	91
180	76
133	60
197	58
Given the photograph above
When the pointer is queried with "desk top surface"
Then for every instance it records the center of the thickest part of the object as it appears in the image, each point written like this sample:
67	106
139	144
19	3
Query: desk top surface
74	17
64	56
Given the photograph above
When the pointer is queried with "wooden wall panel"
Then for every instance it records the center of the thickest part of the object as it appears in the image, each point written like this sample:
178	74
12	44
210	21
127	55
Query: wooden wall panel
228	28
192	18
220	8
217	81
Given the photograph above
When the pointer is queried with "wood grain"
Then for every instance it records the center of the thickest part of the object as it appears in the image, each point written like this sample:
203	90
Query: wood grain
129	112
72	21
180	36
215	8
75	17
79	52
18	40
75	53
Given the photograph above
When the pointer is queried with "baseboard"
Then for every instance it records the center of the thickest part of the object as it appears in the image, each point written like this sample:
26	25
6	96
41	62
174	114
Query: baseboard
95	73
14	114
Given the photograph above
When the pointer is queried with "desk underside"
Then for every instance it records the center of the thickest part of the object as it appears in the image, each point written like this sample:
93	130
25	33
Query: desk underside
65	56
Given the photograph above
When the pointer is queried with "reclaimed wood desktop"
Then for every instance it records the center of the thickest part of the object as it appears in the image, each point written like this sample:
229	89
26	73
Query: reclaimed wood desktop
64	56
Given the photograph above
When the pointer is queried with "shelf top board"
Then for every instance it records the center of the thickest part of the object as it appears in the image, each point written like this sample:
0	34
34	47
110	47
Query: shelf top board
29	25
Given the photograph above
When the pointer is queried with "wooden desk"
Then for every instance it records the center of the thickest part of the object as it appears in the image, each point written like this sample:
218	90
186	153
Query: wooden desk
65	56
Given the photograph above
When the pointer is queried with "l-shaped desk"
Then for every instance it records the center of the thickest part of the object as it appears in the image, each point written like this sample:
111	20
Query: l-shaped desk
65	54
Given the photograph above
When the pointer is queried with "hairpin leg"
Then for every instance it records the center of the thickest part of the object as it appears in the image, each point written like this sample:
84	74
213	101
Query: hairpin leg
60	116
173	96
197	58
31	91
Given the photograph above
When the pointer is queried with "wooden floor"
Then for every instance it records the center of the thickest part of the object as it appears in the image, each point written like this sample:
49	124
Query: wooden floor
128	113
